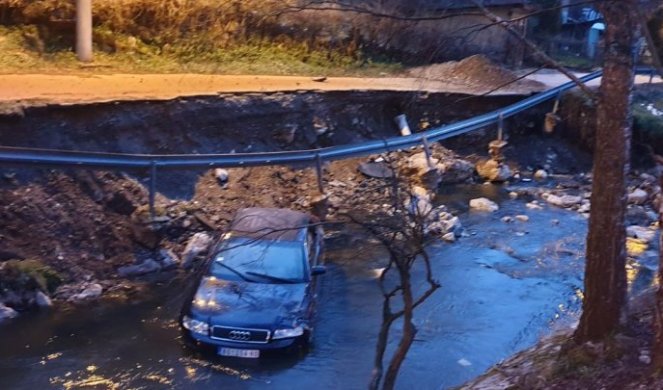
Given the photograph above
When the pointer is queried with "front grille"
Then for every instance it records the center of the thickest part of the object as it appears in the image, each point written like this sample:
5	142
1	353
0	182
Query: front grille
240	335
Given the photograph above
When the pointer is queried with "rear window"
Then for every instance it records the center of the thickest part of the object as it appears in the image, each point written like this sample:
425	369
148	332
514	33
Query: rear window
251	257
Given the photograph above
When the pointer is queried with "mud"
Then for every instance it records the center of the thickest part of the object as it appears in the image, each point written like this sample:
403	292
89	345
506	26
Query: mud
88	224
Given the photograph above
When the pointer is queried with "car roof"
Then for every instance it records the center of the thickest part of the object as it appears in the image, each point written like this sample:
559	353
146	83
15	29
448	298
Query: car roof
270	224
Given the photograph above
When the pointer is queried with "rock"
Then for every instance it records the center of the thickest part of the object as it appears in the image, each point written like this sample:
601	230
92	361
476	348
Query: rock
507	219
541	174
645	359
146	267
43	300
168	259
493	170
419	201
198	243
641	233
637	215
121	203
92	291
565	201
584	207
483	204
221	175
377	170
455	171
638	196
464	362
534	205
513	195
7	313
650	179
449	237
419	163
522	218
145	235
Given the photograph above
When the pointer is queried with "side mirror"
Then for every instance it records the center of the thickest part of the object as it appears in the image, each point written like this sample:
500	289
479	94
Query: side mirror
318	270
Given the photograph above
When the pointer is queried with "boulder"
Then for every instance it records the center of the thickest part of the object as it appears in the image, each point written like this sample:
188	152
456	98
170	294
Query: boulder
198	243
642	233
449	237
638	196
379	170
7	313
221	175
168	259
483	204
90	292
493	170
522	218
419	163
455	171
565	201
541	174
43	300
146	267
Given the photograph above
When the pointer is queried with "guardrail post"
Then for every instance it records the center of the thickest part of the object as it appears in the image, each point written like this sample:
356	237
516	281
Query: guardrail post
500	127
427	151
318	170
153	189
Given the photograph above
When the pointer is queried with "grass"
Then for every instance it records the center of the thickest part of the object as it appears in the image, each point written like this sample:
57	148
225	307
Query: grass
23	53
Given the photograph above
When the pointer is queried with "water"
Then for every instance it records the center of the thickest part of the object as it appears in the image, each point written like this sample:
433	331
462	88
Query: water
503	287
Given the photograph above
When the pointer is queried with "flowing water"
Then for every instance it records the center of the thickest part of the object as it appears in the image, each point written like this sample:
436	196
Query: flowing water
503	286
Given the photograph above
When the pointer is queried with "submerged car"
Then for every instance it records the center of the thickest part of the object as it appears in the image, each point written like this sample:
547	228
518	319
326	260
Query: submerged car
258	291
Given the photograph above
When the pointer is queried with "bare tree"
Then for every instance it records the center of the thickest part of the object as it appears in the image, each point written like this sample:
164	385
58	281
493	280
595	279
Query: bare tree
402	229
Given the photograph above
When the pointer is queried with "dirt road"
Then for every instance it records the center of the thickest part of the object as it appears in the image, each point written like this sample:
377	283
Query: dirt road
35	89
71	89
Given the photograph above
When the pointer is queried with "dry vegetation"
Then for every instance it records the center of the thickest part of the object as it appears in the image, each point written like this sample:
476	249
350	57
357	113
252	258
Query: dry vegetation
204	36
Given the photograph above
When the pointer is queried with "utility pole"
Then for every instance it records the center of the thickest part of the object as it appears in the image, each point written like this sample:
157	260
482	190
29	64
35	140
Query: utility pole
84	30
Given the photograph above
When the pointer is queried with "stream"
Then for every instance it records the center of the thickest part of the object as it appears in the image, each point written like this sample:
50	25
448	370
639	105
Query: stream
504	285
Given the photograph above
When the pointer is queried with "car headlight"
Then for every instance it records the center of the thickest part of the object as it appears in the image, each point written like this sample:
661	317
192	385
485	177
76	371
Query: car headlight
288	333
195	326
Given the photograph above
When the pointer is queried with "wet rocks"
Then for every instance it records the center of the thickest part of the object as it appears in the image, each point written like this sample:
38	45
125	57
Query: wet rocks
642	233
43	300
89	292
455	171
168	259
7	313
565	201
522	218
146	267
638	196
449	237
198	243
483	204
541	174
534	205
493	170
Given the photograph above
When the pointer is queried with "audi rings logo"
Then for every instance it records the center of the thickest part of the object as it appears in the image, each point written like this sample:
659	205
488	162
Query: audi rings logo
239	335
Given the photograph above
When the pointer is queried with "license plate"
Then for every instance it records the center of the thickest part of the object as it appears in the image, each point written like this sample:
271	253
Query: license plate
240	353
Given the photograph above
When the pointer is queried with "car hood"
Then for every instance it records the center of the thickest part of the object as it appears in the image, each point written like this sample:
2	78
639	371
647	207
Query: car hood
245	304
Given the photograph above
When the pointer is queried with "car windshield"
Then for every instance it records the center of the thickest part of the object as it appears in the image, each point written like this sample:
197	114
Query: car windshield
262	261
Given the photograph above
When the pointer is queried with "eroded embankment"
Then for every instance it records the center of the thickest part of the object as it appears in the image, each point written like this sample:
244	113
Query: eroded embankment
89	226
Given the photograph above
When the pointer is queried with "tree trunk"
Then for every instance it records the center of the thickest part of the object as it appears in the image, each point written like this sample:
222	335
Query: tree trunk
658	312
605	278
84	30
409	331
381	346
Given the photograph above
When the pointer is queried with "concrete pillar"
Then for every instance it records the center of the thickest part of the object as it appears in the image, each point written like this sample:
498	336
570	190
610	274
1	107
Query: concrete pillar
84	30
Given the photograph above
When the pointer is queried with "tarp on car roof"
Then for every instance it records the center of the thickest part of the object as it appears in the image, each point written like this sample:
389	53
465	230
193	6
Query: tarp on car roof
269	223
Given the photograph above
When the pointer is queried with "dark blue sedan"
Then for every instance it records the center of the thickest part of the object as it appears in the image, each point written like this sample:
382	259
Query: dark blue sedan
258	291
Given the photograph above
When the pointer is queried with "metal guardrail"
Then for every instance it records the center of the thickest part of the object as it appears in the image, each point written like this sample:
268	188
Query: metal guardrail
50	158
76	159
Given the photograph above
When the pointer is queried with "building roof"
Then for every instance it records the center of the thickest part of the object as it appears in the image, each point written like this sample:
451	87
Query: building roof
270	223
